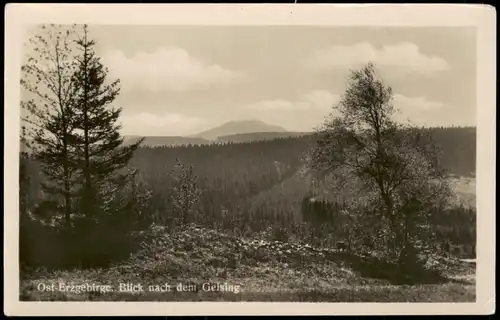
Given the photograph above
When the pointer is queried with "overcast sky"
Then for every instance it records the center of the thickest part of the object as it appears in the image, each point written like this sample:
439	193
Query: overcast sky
183	80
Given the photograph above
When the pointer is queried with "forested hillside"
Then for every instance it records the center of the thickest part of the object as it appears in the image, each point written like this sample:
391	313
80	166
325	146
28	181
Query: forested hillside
458	148
239	170
257	184
164	141
257	136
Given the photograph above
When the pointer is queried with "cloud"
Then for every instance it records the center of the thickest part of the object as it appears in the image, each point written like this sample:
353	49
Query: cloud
302	114
419	110
415	103
173	124
310	109
310	101
404	55
170	69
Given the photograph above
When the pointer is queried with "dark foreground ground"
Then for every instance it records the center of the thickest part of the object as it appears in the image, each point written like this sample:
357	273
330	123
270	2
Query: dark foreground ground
204	265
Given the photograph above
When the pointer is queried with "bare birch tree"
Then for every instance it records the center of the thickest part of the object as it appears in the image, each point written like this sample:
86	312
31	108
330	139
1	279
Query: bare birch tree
48	95
401	183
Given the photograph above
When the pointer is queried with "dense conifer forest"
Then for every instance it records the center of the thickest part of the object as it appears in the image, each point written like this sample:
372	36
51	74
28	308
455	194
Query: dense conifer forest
247	187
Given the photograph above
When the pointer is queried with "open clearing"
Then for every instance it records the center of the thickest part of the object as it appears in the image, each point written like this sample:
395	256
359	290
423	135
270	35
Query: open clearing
264	271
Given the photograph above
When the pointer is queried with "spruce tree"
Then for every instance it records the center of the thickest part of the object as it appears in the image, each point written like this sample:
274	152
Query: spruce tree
102	156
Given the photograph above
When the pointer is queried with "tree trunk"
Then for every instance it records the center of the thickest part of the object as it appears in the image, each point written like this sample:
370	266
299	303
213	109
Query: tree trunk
406	255
67	185
67	196
88	183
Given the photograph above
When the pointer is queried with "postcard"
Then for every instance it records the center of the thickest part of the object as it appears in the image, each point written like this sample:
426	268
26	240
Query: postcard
219	159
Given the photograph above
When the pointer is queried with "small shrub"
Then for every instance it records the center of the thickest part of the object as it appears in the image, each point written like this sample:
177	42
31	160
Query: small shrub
280	234
86	244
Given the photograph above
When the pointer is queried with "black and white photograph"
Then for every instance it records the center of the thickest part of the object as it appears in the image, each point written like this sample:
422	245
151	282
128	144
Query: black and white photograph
265	162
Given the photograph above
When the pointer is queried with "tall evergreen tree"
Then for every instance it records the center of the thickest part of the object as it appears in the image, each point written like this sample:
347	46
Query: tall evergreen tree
102	156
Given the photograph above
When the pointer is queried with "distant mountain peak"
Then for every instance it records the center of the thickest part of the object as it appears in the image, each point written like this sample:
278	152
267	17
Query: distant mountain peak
256	122
238	127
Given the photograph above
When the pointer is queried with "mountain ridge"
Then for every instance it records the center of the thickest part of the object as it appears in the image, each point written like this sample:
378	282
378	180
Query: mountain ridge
238	127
